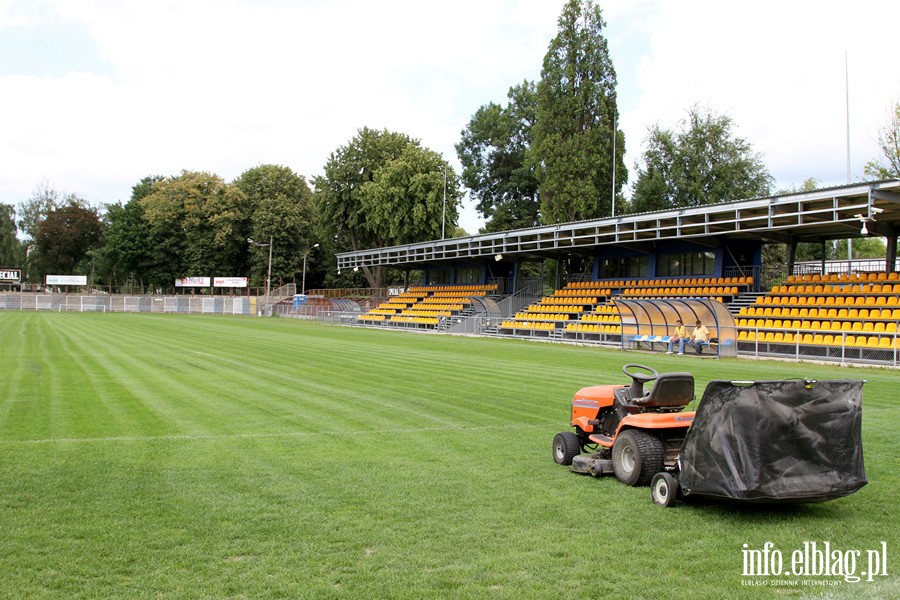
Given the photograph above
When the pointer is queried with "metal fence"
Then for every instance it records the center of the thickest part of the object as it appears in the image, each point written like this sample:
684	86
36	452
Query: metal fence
845	347
214	305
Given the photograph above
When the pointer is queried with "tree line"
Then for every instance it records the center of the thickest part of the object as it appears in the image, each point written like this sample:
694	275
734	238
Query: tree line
552	153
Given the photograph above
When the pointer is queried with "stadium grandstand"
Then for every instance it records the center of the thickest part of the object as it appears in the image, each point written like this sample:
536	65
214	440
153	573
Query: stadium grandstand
679	260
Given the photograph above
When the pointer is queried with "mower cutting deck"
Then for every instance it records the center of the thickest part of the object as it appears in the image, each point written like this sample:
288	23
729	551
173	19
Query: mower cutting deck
759	441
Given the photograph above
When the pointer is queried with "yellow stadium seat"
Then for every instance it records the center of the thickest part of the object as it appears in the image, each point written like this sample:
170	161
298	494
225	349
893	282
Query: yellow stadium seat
742	336
828	340
884	342
869	326
890	328
872	341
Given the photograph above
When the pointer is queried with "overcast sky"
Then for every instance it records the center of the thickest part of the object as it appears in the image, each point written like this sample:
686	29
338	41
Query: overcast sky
96	94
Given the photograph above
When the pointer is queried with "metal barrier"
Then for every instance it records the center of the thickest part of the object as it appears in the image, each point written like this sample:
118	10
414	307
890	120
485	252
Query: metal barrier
216	305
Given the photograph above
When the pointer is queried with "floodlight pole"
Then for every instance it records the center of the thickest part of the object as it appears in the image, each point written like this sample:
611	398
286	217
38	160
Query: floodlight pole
269	272
303	283
269	275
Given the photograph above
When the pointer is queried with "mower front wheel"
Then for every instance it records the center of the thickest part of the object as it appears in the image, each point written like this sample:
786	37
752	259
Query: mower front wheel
664	489
637	456
566	446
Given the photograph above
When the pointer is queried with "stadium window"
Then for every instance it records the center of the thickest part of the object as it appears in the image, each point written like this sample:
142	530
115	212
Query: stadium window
628	267
468	275
687	264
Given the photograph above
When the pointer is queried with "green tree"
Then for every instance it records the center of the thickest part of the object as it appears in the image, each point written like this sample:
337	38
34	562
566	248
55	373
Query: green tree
575	130
700	163
128	248
889	142
384	189
10	249
65	237
492	152
34	210
280	207
195	227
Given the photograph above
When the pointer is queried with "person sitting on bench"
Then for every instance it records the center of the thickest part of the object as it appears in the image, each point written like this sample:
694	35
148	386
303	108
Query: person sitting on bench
699	337
679	336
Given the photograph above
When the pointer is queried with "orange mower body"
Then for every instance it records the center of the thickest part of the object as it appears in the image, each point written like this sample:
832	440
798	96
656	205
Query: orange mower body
630	431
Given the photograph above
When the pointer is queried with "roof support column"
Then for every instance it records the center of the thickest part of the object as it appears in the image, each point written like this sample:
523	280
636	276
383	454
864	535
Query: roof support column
891	256
792	255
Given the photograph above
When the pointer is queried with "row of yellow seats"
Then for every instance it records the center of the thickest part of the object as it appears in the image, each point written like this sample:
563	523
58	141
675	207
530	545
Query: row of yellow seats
857	341
546	308
822	313
436	306
856	288
623	283
462	287
569	300
384	311
607	309
608	283
595	318
528	316
689	281
685	291
829	300
875	327
453	295
416	320
844	277
566	293
584	328
530	325
426	313
370	317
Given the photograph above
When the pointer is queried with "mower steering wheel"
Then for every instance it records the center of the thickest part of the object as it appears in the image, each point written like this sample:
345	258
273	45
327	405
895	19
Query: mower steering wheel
640	377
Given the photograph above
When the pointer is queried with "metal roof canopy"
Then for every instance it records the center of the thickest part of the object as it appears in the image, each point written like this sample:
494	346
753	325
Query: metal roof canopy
654	317
833	213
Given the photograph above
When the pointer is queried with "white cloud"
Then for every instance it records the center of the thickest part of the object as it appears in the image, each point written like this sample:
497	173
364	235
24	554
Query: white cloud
226	85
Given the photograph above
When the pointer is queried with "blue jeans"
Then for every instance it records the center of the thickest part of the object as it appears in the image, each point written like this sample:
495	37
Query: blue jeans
698	346
680	345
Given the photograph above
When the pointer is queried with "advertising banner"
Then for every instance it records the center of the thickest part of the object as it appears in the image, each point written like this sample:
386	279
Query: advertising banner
66	280
192	282
230	282
10	275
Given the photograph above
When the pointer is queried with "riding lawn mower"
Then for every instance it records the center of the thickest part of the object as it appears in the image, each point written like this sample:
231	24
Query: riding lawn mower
793	440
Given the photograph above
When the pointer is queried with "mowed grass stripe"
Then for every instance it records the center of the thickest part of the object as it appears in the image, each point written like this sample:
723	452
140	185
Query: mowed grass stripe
300	487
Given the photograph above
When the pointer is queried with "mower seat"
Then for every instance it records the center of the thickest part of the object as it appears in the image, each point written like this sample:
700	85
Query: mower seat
671	390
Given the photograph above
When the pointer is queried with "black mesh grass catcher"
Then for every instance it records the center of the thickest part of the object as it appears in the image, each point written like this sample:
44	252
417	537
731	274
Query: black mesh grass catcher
775	441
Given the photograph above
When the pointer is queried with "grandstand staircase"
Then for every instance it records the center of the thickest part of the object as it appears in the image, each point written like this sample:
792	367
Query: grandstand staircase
744	300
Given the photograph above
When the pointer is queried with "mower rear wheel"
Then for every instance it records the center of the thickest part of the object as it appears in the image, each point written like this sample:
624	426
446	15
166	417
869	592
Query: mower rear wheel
566	446
664	489
637	456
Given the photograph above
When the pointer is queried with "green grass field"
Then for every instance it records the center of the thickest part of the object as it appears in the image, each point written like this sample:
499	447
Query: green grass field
180	457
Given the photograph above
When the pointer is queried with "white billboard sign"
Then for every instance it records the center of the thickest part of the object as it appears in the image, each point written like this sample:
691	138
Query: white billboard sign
10	275
66	279
192	282
230	282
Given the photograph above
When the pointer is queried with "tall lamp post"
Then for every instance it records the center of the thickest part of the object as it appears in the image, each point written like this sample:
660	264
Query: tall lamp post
303	283
269	275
